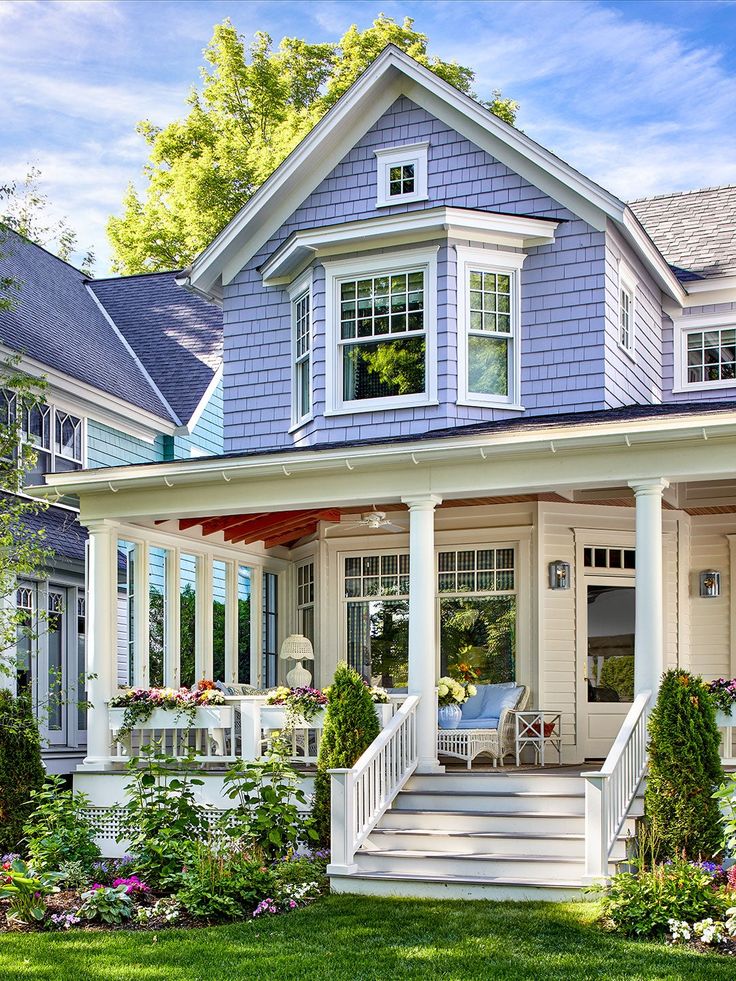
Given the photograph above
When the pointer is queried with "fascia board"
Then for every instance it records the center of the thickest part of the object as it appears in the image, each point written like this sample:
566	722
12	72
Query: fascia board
651	256
197	414
75	396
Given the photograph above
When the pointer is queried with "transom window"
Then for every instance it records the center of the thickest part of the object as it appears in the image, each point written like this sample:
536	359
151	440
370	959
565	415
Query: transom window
612	559
488	328
711	356
302	328
377	575
401	174
382	355
476	570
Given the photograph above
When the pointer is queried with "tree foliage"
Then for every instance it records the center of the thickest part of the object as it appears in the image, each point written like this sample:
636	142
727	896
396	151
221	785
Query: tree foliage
351	725
21	769
255	104
684	770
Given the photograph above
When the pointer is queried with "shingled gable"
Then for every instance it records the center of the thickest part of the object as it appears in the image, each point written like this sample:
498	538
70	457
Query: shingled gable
391	75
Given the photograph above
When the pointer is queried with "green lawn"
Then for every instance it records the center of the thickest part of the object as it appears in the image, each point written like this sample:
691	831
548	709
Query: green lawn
346	937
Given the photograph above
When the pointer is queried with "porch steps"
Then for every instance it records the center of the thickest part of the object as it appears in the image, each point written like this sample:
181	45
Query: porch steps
509	835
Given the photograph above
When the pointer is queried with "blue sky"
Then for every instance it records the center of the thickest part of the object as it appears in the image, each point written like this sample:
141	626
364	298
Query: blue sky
639	96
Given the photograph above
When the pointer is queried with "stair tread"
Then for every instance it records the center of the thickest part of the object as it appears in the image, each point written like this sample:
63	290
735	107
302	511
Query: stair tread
433	832
472	857
494	793
465	813
466	879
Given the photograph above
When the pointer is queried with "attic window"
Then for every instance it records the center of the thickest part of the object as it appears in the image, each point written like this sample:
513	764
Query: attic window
402	174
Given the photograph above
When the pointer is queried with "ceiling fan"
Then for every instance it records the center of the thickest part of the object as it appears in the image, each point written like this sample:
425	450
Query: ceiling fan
374	521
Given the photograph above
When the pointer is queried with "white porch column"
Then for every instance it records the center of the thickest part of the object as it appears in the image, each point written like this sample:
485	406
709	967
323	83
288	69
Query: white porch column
649	638
101	651
422	626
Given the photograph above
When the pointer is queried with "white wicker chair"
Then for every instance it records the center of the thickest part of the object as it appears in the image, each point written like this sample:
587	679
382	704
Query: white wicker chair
466	744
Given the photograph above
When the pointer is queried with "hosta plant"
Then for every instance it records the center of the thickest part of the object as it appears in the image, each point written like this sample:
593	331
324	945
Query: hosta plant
26	890
109	904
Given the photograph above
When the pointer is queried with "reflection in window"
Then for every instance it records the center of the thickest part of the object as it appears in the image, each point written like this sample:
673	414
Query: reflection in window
711	356
269	663
244	592
219	572
610	667
25	600
187	619
156	617
305	600
490	342
378	628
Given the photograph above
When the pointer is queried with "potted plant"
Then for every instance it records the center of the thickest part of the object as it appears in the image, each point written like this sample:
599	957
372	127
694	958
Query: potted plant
451	694
294	708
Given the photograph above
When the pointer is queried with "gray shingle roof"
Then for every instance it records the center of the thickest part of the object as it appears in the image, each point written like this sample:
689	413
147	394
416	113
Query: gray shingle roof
54	320
694	230
176	334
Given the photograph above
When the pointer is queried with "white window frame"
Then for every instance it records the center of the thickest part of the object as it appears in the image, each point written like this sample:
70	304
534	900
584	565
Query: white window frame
507	264
389	264
627	286
51	451
698	324
396	156
296	290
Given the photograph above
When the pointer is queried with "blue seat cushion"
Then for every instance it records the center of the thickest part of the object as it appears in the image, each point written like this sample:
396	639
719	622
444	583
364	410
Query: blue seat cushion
478	723
483	710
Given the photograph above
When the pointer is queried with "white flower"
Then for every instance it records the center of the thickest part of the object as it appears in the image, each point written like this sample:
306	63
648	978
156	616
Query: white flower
710	931
471	690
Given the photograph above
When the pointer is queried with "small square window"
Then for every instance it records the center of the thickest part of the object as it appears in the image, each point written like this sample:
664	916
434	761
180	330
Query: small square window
401	174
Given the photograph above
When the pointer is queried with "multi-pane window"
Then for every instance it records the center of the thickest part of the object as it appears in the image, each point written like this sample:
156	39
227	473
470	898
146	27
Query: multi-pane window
477	613
401	179
301	313
614	559
490	333
305	599
377	617
711	356
382	340
24	601
626	318
56	437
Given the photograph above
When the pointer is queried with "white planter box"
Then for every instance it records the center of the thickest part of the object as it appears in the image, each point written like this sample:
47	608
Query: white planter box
274	717
205	717
724	721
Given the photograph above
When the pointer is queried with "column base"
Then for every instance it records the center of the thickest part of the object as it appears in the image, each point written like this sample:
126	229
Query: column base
429	766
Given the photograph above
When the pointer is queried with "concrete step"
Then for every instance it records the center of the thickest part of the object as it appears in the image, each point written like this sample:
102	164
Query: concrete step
455	887
484	865
479	842
518	802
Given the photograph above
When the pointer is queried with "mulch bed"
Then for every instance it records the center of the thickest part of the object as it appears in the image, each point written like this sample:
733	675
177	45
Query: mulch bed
67	901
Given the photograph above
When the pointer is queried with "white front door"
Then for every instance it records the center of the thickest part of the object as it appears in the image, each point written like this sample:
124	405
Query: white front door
606	655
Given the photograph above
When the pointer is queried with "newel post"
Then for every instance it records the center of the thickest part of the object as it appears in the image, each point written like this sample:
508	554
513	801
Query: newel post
342	819
101	650
596	847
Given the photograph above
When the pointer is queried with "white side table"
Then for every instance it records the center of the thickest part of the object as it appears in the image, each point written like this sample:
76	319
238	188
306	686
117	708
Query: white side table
531	725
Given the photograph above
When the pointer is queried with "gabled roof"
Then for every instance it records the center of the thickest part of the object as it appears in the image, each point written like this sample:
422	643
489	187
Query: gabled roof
176	334
392	74
142	339
694	230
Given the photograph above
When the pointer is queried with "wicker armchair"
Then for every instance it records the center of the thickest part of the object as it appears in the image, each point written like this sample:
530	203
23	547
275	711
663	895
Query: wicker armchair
466	744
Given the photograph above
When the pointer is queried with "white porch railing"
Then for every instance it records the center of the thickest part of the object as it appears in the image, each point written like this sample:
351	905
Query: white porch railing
361	795
609	792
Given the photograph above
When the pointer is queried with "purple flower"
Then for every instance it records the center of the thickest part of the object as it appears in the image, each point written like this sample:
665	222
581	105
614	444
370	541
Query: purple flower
132	884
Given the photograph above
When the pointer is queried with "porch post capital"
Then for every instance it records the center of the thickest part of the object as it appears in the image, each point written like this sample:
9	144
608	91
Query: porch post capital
422	502
654	486
100	526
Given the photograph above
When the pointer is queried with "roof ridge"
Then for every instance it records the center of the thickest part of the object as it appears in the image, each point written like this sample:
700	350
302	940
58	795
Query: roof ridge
5	228
678	194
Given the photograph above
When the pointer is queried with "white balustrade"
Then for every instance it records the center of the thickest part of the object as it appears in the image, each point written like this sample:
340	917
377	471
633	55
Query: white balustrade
610	791
361	795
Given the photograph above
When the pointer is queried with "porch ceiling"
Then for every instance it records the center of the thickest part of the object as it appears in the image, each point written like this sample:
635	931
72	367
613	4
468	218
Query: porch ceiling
272	528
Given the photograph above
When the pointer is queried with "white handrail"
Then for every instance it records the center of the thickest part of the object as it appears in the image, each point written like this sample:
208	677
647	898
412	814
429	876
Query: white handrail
610	791
363	793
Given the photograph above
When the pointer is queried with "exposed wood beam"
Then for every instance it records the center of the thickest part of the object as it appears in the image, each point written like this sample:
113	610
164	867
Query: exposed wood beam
269	523
212	525
296	532
186	523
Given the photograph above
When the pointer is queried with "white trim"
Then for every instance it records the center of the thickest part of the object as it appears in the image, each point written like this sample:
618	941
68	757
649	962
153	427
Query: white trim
197	414
506	263
134	356
425	259
712	284
700	324
296	290
387	157
79	398
515	231
627	283
394	73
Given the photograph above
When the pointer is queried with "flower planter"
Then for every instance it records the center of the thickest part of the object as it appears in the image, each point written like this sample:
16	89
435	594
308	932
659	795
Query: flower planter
449	716
216	719
275	717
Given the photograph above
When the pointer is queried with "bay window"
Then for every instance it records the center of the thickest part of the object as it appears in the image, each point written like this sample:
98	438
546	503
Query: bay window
488	327
382	319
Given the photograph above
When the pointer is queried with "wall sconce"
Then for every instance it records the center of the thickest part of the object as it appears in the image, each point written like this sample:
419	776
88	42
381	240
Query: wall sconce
559	575
710	583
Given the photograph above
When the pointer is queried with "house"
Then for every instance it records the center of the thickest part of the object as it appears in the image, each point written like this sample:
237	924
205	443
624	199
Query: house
474	406
133	367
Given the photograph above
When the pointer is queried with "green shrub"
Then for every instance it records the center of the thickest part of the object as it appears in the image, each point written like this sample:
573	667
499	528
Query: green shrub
224	885
108	904
684	770
163	821
55	832
21	769
618	675
350	727
267	817
641	904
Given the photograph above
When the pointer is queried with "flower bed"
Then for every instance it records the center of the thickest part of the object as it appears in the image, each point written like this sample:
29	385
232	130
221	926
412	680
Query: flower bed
140	705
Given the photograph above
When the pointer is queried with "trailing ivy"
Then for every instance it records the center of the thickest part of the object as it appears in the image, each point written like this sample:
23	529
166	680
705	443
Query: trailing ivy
350	727
684	770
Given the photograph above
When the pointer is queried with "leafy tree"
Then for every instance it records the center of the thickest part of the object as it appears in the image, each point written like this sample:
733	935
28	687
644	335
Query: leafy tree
254	106
351	725
25	211
21	769
684	770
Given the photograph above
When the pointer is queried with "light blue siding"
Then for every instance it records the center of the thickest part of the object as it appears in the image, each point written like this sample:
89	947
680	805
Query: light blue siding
563	299
107	447
207	434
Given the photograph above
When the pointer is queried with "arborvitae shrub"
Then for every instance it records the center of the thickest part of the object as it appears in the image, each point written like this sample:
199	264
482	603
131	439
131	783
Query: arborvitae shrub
350	727
684	770
21	769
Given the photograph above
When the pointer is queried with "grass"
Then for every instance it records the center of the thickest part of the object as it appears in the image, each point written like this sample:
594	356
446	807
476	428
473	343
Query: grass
346	937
